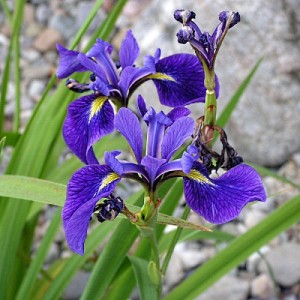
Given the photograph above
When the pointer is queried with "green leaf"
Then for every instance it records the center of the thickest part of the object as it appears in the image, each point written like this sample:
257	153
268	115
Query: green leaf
36	265
33	189
147	289
169	220
238	250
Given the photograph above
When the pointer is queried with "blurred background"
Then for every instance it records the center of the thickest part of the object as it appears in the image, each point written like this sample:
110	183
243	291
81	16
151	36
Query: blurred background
264	128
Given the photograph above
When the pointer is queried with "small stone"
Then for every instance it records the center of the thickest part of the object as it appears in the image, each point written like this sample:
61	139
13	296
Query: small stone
227	288
47	40
31	55
76	286
262	287
175	271
36	89
42	13
28	13
63	24
253	217
285	263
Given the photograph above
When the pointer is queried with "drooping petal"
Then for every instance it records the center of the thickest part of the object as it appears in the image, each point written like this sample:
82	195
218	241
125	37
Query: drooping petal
221	200
68	62
129	50
86	187
179	80
129	126
176	135
89	118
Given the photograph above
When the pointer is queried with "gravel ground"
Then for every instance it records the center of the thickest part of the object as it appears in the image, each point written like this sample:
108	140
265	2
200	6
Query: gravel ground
49	22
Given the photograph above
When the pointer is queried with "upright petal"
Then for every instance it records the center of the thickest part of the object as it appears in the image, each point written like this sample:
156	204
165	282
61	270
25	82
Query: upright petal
68	62
86	187
129	126
152	165
179	80
221	200
129	50
89	118
178	112
176	135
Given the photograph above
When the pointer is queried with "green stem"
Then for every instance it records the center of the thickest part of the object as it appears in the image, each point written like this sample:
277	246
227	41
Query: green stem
174	242
155	255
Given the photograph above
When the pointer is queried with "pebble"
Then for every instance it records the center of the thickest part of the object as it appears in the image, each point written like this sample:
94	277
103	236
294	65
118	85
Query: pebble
47	40
263	288
227	288
175	272
36	89
285	263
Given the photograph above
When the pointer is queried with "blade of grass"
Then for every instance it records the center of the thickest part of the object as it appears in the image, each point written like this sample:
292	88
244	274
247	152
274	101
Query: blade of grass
27	285
238	250
17	23
29	157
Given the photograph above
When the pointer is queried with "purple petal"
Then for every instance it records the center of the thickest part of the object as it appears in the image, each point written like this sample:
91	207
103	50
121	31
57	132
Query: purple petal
99	47
129	50
129	126
188	158
68	62
221	200
178	112
152	165
86	187
92	66
141	104
131	78
187	80
101	52
89	118
112	162
176	135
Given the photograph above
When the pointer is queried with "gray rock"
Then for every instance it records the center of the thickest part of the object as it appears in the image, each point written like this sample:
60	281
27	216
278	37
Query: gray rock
175	271
76	287
285	263
265	123
63	24
42	13
227	288
36	89
262	288
253	217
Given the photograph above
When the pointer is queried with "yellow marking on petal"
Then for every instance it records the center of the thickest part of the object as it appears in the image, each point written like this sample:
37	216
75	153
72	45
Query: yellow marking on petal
96	106
197	176
109	179
161	76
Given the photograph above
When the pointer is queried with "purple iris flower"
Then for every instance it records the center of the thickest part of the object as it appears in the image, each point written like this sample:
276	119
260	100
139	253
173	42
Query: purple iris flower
205	45
179	80
217	200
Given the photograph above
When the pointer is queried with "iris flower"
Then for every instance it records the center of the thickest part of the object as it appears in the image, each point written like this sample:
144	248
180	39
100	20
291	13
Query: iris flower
217	200
205	45
178	79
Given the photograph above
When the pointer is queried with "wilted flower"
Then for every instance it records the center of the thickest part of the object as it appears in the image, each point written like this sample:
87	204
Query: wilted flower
178	78
205	45
217	200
